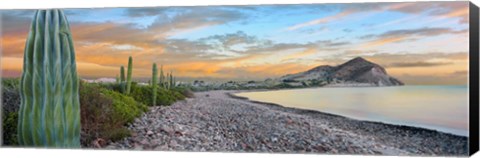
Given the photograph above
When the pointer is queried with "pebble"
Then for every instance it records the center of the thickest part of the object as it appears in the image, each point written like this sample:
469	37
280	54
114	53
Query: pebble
150	133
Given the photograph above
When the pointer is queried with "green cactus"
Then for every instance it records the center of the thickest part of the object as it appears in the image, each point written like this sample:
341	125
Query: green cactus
154	84
162	77
122	79
117	79
129	75
49	114
172	84
167	81
122	74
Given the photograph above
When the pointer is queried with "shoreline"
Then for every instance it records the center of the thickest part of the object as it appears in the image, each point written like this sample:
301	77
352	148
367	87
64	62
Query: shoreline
219	121
314	112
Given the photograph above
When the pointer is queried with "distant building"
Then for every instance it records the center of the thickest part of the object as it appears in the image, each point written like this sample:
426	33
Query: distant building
101	80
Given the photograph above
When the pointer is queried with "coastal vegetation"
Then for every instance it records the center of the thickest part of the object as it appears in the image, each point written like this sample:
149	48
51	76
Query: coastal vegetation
103	107
50	106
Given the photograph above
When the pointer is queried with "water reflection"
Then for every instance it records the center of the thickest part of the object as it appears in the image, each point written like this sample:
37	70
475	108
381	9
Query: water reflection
443	108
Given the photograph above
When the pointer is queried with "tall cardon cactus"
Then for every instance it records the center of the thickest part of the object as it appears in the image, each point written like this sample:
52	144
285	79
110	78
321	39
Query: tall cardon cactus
154	84
162	77
172	83
122	79
129	75
49	114
122	74
167	81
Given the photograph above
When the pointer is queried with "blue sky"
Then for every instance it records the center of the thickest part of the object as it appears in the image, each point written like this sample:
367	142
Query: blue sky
420	43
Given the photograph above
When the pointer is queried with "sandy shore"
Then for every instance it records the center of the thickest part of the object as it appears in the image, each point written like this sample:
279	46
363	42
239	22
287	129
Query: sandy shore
218	121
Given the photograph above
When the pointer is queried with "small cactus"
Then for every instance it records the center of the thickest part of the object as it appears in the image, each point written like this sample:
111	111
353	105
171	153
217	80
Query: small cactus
117	79
154	84
162	77
172	84
174	81
129	75
49	114
122	79
167	82
122	74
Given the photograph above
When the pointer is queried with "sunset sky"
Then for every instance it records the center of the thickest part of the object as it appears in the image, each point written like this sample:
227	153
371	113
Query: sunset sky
418	43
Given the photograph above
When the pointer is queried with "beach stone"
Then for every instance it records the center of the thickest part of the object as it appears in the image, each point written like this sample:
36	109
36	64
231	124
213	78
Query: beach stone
149	133
173	143
166	129
144	141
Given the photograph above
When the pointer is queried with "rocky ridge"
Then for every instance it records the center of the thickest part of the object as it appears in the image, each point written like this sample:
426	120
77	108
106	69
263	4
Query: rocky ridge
356	71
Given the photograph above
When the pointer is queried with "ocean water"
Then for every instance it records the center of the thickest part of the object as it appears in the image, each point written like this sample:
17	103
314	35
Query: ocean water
442	108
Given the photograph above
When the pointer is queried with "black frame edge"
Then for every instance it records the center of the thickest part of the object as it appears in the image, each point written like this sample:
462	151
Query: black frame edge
474	79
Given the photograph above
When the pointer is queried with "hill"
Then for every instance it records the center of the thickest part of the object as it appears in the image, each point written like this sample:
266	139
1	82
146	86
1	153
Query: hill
357	71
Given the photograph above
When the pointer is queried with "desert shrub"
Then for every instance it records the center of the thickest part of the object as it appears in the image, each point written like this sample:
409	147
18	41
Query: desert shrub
95	114
10	95
10	104
143	94
185	91
11	83
167	97
112	86
117	87
103	110
125	107
178	94
9	127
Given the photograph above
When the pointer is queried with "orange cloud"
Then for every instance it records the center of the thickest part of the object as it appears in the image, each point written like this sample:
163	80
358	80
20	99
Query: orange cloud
382	41
206	68
12	45
307	52
276	69
12	63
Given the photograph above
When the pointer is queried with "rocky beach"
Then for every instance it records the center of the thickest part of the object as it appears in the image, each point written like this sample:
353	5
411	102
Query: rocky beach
219	121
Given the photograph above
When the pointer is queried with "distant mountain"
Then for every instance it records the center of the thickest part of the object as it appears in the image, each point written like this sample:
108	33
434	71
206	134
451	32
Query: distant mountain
357	71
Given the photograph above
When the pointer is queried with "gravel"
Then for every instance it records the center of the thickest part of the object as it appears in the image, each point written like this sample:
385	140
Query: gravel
221	122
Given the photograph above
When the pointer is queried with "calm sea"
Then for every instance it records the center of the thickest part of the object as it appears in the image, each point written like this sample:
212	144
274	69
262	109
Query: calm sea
442	108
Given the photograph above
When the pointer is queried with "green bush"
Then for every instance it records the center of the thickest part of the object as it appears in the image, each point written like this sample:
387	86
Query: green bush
9	127
125	107
103	110
168	97
11	83
111	86
185	92
95	114
10	104
10	95
164	96
142	94
178	94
